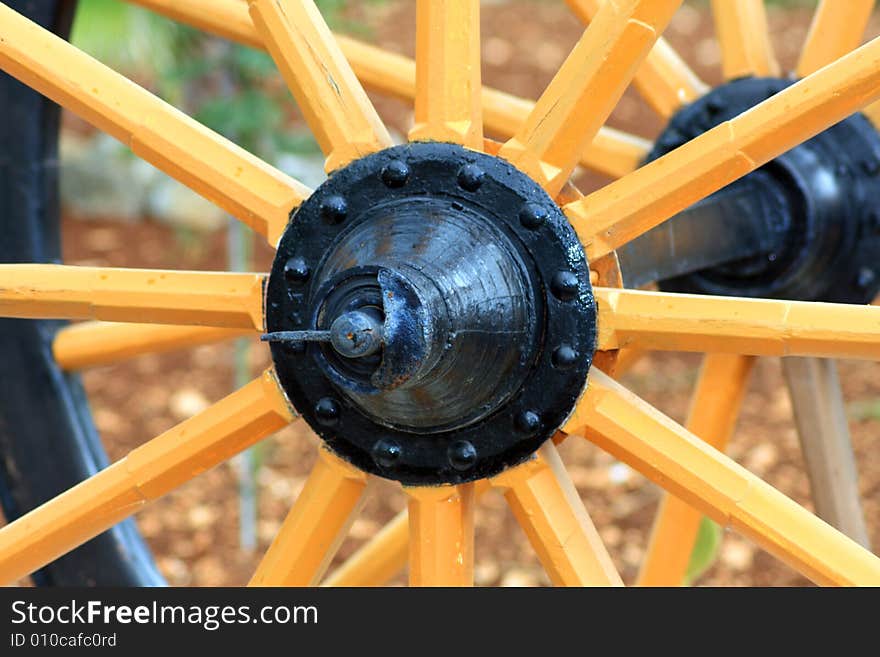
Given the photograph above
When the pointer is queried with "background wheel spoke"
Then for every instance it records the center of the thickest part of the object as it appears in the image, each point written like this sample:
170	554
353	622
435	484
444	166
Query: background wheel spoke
332	101
664	79
148	472
246	187
160	296
547	506
441	526
714	409
744	37
316	525
612	216
90	344
586	89
823	430
672	457
837	29
379	559
759	327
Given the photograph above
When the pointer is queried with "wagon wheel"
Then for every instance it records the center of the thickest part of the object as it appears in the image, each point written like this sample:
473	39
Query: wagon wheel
431	311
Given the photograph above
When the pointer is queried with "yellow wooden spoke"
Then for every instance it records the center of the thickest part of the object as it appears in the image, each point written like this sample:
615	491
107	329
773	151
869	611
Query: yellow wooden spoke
159	296
612	153
837	28
148	472
714	410
623	210
759	327
664	80
744	38
316	525
251	190
385	555
448	104
334	104
586	89
441	526
547	506
90	344
665	452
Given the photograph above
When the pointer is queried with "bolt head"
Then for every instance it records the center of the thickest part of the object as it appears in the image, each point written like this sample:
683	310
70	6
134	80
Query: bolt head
296	270
462	455
470	177
333	209
395	174
528	422
564	356
533	216
327	411
866	278
564	286
294	348
386	453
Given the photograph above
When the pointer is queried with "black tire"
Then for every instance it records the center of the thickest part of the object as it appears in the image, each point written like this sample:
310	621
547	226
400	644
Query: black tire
48	442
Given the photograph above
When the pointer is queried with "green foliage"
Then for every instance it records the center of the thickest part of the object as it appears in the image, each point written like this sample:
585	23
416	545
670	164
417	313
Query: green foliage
868	409
705	550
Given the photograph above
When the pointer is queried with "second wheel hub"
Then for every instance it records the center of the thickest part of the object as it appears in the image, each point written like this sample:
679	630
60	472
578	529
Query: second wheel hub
449	308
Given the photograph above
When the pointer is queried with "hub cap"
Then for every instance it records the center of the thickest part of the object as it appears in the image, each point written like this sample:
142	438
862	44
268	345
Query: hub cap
449	318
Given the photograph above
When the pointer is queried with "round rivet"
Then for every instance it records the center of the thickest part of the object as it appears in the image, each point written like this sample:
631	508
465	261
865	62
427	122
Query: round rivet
327	411
533	216
528	422
470	177
865	278
294	348
386	453
564	286
333	209
296	270
564	357
462	455
395	173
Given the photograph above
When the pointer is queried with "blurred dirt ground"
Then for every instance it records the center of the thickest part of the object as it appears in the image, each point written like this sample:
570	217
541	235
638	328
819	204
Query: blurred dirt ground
194	530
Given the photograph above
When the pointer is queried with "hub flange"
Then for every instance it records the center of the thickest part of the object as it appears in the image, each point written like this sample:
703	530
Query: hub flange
820	201
450	318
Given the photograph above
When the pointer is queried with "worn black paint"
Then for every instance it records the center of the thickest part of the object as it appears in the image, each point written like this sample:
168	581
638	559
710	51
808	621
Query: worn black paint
443	229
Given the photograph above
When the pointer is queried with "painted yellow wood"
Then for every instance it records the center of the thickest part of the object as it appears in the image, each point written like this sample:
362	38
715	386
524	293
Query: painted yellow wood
441	527
714	410
623	210
758	327
334	104
744	37
148	472
837	28
90	344
636	433
547	506
586	89
160	296
246	187
384	555
316	525
612	153
664	79
448	103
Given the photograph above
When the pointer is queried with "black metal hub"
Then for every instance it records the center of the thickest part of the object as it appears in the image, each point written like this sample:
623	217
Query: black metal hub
431	314
817	208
